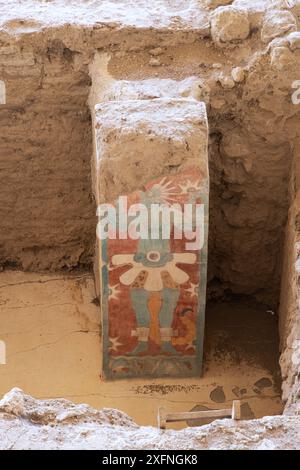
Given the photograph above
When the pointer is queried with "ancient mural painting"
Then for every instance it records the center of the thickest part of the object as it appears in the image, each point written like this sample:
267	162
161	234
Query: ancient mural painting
154	291
152	152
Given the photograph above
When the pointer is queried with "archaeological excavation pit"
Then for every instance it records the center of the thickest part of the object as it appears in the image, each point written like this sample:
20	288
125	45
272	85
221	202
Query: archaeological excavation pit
183	103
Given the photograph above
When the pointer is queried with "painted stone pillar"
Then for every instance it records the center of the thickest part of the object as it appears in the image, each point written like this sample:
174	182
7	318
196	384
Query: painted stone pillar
152	154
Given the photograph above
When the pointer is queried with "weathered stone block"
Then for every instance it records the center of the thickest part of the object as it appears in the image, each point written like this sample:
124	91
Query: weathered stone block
277	23
229	24
152	286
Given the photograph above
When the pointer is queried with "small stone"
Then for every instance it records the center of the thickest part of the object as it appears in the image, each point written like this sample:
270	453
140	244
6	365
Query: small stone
238	74
294	40
156	51
120	54
276	23
217	66
248	164
281	57
201	91
134	49
154	62
229	24
226	82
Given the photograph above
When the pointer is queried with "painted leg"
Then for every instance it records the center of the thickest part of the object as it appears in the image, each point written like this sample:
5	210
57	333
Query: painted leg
154	306
140	299
166	315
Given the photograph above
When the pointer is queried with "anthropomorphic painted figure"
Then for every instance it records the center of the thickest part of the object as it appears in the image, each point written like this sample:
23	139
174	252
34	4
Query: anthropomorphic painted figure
154	281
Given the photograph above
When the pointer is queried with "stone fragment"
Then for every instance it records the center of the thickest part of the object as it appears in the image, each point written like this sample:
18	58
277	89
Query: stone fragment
154	62
120	54
294	40
228	25
281	58
201	91
226	82
238	74
276	23
247	164
156	51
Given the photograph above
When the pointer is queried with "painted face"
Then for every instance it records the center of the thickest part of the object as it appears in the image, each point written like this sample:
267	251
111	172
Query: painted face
153	258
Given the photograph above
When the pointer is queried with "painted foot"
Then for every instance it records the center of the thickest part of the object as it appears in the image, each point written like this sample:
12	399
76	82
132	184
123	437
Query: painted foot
167	347
140	348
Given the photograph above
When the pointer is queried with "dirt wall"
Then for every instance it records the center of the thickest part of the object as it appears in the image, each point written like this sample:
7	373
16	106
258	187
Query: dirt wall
290	296
46	209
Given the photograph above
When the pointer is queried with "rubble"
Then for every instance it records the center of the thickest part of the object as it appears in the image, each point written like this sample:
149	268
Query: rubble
59	424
